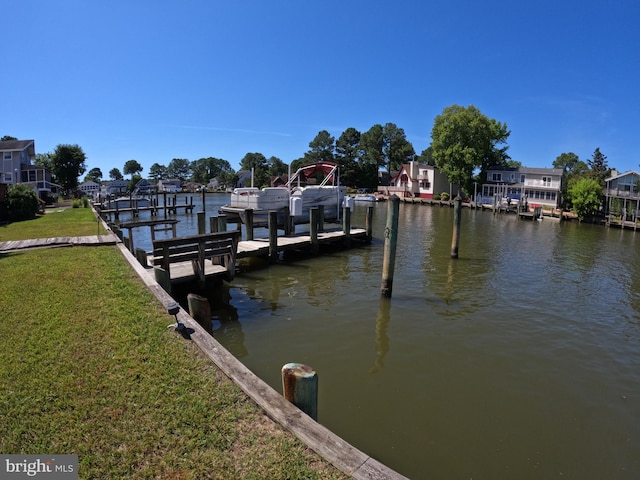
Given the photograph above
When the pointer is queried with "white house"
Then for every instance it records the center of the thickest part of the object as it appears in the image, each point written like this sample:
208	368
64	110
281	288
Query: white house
417	180
539	186
90	188
171	185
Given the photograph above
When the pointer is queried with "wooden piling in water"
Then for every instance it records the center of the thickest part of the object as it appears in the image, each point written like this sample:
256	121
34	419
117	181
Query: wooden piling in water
141	256
455	239
390	244
202	223
346	226
222	223
369	223
273	236
300	387
200	310
320	218
248	224
313	230
213	224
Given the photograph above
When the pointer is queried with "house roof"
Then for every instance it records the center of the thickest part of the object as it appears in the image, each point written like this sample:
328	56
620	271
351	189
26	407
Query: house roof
619	175
18	145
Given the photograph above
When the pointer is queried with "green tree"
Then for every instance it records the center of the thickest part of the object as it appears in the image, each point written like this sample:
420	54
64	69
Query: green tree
463	140
157	172
426	157
204	169
573	169
68	163
371	156
599	168
179	168
114	174
322	148
586	195
347	156
395	147
21	202
258	163
132	167
7	138
94	175
276	167
45	160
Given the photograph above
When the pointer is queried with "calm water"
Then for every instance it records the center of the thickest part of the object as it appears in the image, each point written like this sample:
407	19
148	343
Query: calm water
520	359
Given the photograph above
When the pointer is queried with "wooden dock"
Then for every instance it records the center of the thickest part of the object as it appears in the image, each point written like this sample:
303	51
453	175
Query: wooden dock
90	240
260	247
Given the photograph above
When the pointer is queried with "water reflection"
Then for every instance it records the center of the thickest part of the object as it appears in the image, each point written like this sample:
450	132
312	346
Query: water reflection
382	338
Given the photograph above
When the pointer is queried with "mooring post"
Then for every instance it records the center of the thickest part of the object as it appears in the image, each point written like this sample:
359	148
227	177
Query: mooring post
204	199
200	310
273	236
369	223
287	220
202	223
300	387
248	213
313	229
346	225
457	215
390	243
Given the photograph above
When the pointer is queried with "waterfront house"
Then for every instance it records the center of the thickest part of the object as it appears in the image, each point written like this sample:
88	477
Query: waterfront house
90	188
171	185
539	186
115	188
622	195
417	180
16	166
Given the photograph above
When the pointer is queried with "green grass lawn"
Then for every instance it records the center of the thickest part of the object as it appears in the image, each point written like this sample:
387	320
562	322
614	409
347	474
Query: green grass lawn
57	222
88	366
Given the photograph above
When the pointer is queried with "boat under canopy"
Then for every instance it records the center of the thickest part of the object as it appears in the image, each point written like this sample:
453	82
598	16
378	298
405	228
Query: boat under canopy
297	194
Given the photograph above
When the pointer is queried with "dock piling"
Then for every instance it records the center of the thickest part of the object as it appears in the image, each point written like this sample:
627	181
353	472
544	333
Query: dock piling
390	244
455	239
200	310
300	387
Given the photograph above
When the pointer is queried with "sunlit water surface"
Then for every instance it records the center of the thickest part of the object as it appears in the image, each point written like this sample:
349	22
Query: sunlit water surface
520	359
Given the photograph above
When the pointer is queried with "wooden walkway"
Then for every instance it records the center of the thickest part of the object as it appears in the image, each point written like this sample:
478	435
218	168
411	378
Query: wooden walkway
259	247
302	241
90	240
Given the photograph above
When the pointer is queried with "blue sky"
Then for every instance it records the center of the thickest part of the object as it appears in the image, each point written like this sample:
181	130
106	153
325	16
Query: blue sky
157	80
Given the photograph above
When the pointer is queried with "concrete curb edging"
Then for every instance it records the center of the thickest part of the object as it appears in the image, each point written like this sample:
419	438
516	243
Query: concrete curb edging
328	445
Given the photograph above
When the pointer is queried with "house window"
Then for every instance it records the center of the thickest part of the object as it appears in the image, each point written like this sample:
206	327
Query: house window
7	155
513	177
496	177
8	178
546	181
522	177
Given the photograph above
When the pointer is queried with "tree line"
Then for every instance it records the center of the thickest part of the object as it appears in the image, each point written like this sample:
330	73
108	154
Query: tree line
465	143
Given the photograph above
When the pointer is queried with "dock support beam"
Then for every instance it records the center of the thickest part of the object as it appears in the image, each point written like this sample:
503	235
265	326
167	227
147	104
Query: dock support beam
313	229
273	236
248	223
346	225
